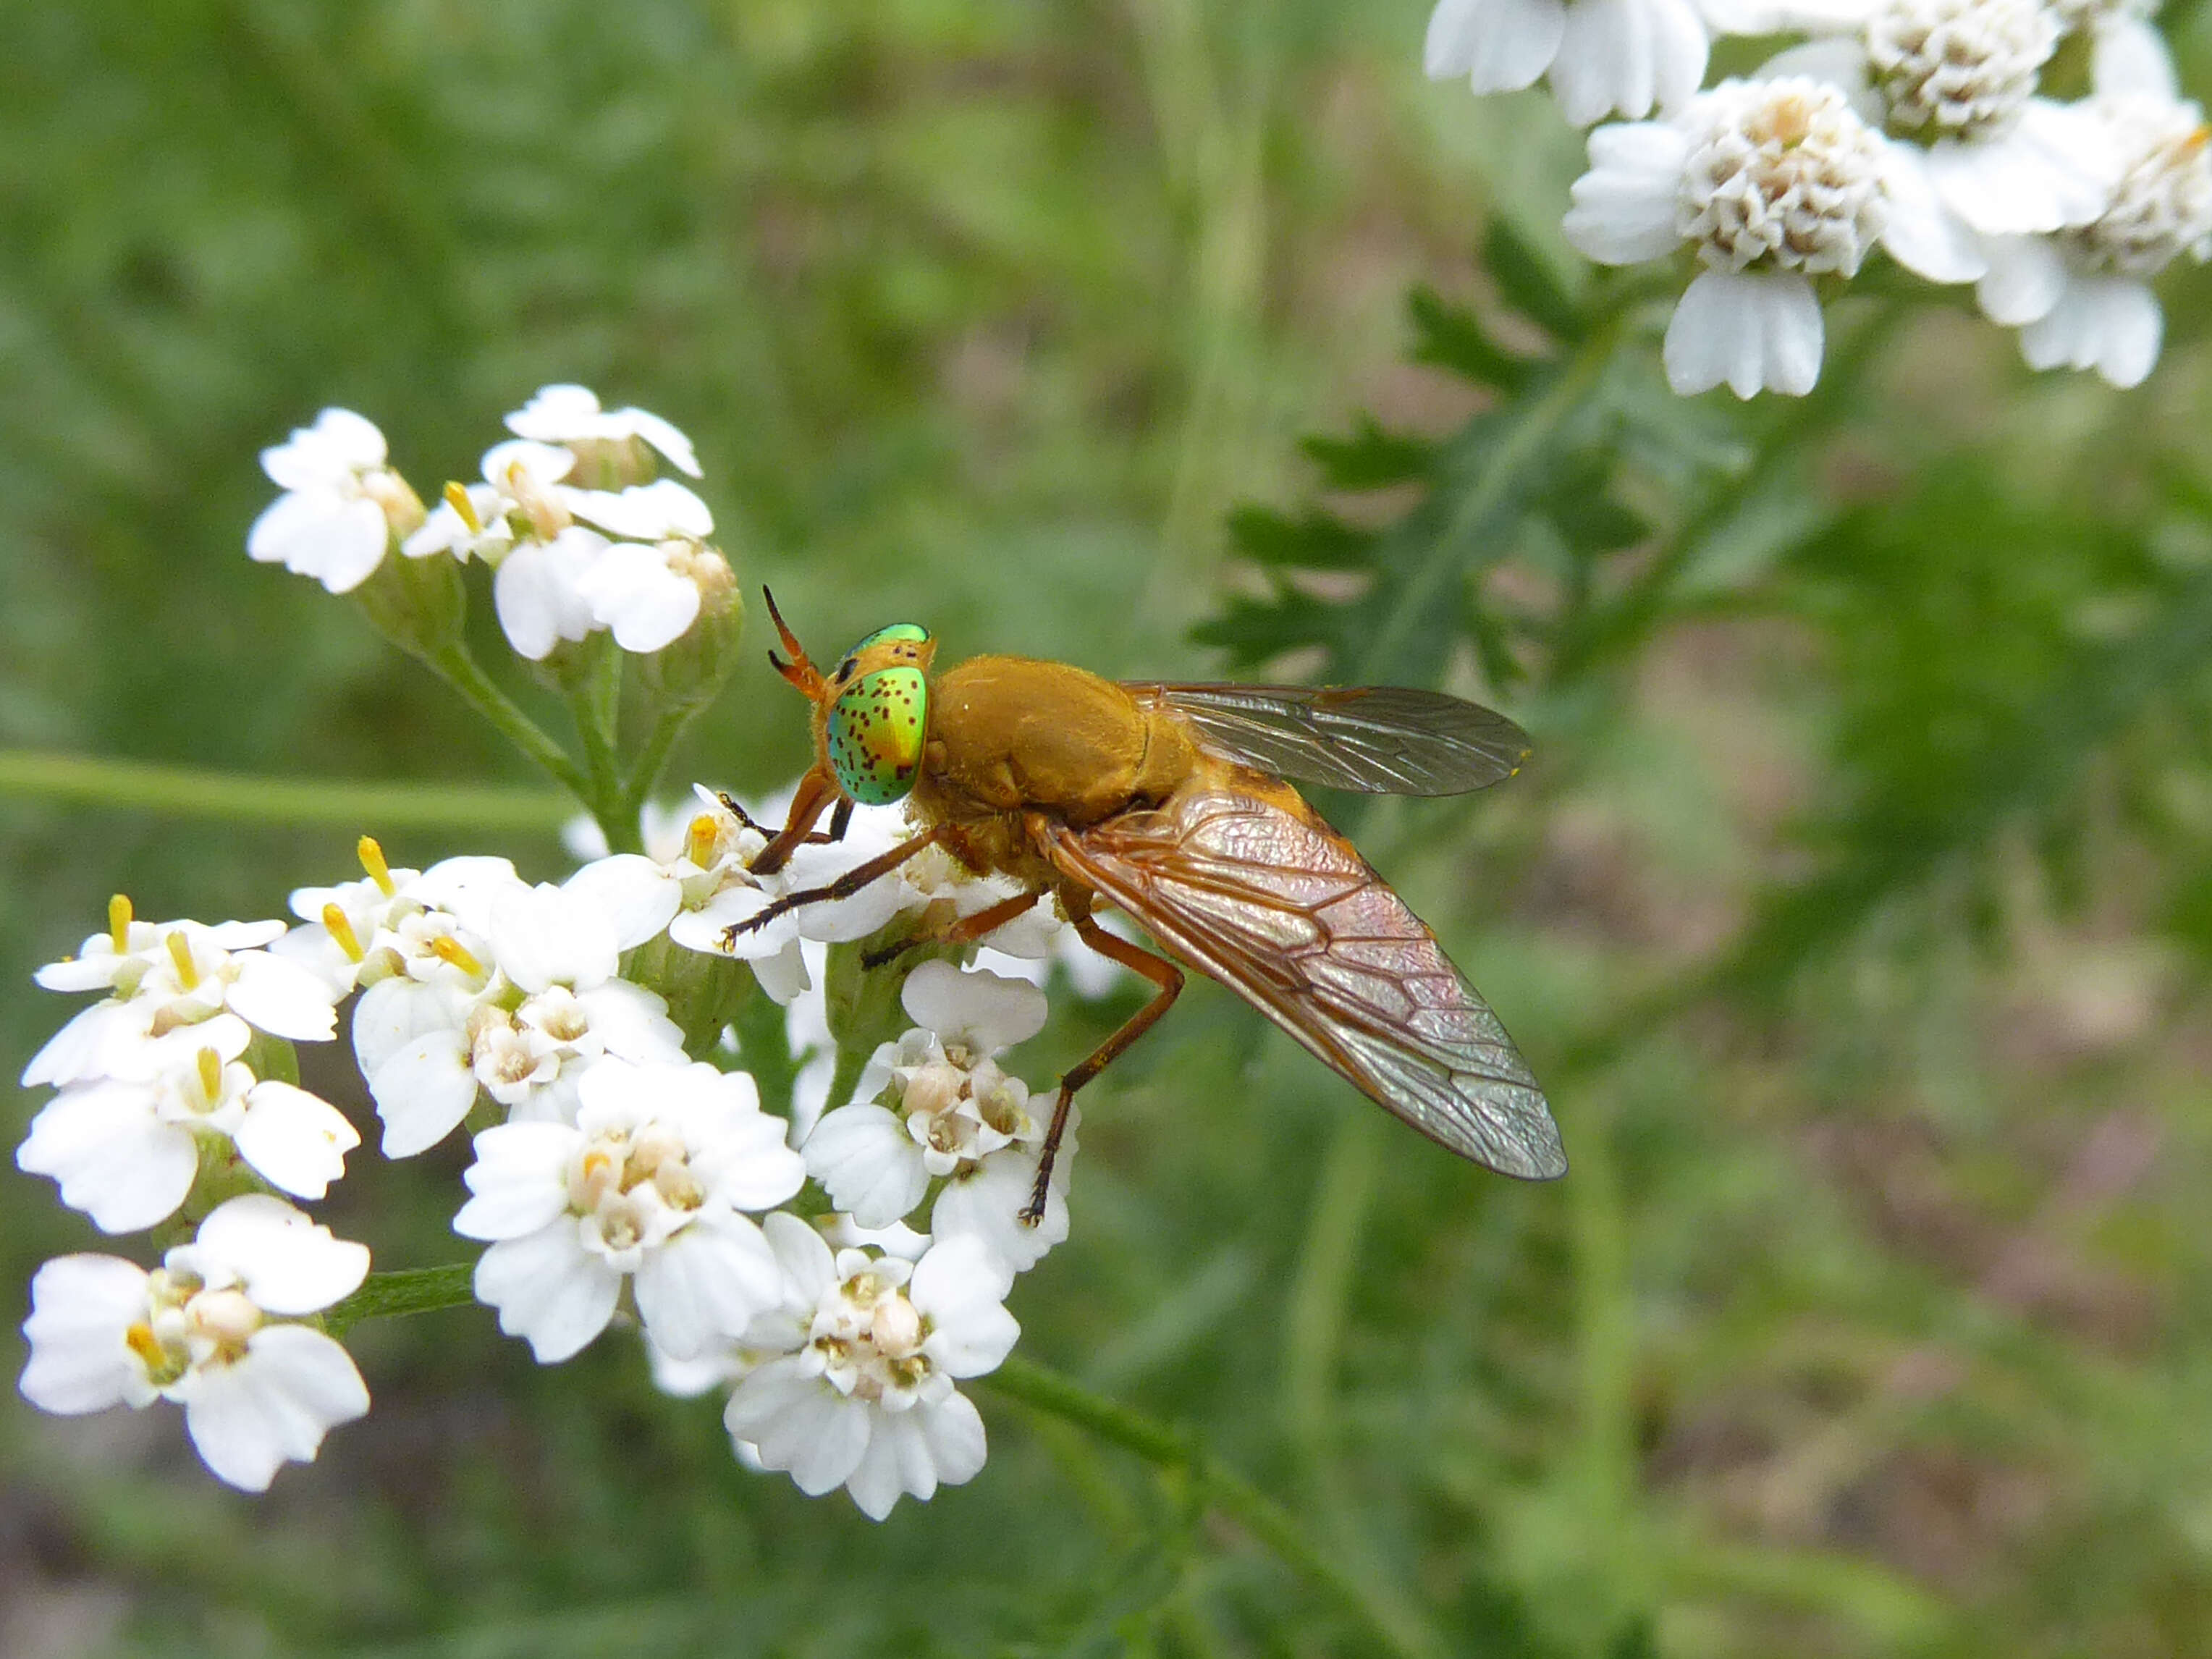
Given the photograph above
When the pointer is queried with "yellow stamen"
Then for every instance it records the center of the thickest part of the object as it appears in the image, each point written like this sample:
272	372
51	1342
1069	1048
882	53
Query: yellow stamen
334	920
119	922
372	859
181	952
700	843
448	949
142	1341
211	1075
456	498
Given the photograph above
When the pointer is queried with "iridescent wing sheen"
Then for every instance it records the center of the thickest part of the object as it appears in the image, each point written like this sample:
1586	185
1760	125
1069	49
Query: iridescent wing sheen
1245	884
1378	739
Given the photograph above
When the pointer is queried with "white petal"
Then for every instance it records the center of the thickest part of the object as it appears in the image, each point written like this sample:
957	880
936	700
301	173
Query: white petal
704	929
635	895
987	1204
1624	207
867	1163
632	1022
706	1284
297	1141
549	1290
91	1045
2026	277
288	1263
2056	167
663	436
275	1405
2109	324
896	1450
520	1180
543	935
423	1091
392	1012
81	1306
1923	233
113	1156
960	1287
1500	45
801	1425
1629	56
336	540
1757	332
535	595
645	512
994	1013
955	1433
515	467
2130	55
284	998
632	590
809	1267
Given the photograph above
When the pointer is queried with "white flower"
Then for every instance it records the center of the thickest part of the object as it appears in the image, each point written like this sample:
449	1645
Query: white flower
2082	298
164	976
341	502
571	414
412	922
1774	183
650	595
125	1150
947	1111
1959	77
257	1391
650	1184
1629	56
470	522
865	1397
538	591
525	1012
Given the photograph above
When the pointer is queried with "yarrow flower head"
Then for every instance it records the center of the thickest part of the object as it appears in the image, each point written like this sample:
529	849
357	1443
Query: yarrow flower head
1774	183
650	1186
868	1347
342	505
946	1112
2082	297
215	1328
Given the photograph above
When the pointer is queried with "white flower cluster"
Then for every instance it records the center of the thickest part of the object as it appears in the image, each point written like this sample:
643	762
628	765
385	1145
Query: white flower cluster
579	533
170	1099
620	1172
1919	127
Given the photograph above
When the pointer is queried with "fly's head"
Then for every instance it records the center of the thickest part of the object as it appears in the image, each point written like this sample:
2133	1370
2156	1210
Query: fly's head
872	714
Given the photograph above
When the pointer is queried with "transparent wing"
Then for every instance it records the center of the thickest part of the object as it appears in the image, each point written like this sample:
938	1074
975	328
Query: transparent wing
1250	887
1378	739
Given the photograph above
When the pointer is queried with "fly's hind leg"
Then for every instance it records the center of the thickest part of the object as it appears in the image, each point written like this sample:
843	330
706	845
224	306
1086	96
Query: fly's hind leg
1161	973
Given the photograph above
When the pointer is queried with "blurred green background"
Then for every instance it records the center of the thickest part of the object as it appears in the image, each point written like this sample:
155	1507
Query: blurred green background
1856	910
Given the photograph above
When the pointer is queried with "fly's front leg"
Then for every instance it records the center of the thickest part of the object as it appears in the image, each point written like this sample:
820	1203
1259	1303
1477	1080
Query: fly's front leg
840	819
1161	973
844	888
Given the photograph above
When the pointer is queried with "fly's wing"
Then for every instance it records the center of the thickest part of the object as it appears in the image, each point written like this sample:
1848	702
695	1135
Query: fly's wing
1248	885
1378	739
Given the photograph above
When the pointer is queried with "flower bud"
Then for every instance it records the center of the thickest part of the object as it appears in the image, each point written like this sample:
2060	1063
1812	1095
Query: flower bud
419	604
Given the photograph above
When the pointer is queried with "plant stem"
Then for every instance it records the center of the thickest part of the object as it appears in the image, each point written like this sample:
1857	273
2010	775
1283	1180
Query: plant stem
188	792
460	670
595	700
1171	1450
412	1291
654	755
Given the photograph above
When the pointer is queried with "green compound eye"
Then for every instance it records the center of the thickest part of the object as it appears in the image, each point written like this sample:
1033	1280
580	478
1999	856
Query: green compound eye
877	727
897	634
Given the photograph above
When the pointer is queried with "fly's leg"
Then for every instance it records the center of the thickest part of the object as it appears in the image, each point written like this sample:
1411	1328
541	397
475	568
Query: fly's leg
1161	973
839	820
808	802
966	930
844	888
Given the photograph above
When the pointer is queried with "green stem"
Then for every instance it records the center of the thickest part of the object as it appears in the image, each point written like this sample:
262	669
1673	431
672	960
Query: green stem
460	670
647	773
412	1291
1222	1489
188	792
595	700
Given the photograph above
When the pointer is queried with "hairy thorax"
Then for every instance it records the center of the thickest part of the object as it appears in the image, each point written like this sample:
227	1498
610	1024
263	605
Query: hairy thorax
1011	735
